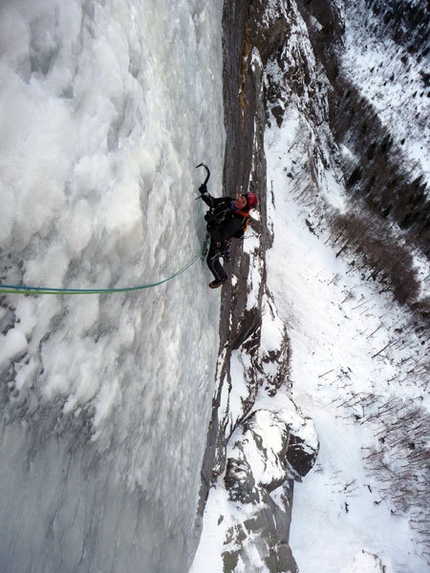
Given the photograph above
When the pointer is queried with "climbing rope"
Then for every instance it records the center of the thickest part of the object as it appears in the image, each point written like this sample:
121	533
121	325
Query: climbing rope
23	289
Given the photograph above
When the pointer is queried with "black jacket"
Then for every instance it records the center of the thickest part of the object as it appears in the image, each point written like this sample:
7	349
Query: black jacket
223	222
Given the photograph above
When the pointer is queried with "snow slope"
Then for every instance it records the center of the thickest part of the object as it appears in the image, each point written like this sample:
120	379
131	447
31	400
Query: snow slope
390	66
352	355
348	362
359	361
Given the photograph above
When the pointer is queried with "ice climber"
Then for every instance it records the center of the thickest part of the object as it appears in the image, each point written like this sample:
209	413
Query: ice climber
226	219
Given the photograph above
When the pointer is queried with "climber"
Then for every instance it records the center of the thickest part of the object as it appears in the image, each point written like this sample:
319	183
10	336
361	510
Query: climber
226	219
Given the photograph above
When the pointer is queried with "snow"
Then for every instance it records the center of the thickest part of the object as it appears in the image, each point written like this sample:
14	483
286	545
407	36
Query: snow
339	326
353	356
12	344
271	439
106	109
391	78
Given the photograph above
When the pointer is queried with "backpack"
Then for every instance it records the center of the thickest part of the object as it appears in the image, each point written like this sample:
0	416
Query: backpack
216	216
221	212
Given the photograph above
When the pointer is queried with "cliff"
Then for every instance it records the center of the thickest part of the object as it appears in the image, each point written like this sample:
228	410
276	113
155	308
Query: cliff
281	59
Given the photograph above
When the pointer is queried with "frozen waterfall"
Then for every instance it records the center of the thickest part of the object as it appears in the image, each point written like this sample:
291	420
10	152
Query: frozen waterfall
106	108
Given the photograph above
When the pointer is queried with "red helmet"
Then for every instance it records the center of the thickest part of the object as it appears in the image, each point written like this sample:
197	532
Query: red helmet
251	199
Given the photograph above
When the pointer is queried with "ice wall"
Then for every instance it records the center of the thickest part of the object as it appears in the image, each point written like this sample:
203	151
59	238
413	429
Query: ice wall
107	106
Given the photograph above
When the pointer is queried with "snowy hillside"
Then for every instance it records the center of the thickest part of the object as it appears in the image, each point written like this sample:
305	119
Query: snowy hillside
361	366
350	283
358	368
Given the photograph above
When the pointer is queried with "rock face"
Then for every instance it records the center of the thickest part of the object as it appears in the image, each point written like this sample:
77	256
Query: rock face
283	57
253	453
265	453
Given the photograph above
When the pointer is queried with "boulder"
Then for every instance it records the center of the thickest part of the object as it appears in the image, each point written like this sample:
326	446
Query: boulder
268	449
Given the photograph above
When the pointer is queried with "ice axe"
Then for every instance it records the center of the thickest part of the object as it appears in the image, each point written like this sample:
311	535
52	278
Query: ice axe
202	187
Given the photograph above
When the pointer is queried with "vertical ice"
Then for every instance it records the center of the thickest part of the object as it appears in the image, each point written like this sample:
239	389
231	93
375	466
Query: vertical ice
107	106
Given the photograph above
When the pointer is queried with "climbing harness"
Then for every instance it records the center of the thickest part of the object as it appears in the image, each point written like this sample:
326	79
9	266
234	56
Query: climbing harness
23	289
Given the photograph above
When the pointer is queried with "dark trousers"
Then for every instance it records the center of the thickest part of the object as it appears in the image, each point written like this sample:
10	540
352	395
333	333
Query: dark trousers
214	264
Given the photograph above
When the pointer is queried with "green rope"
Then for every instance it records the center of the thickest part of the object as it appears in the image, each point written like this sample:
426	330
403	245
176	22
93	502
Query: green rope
22	289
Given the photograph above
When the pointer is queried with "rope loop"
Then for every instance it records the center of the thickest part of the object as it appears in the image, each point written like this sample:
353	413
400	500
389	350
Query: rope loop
32	290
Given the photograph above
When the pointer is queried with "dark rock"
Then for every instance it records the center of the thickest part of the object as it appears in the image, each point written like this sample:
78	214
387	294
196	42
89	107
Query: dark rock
300	456
247	452
240	481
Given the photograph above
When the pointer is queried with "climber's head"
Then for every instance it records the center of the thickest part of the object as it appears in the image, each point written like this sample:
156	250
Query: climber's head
246	202
251	200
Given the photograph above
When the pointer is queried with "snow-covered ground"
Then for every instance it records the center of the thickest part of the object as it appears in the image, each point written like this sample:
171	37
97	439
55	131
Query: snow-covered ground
352	355
348	361
393	78
359	365
106	107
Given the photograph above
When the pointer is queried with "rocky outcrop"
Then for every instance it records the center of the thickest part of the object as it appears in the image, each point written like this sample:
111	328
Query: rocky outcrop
265	451
254	453
263	458
283	59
